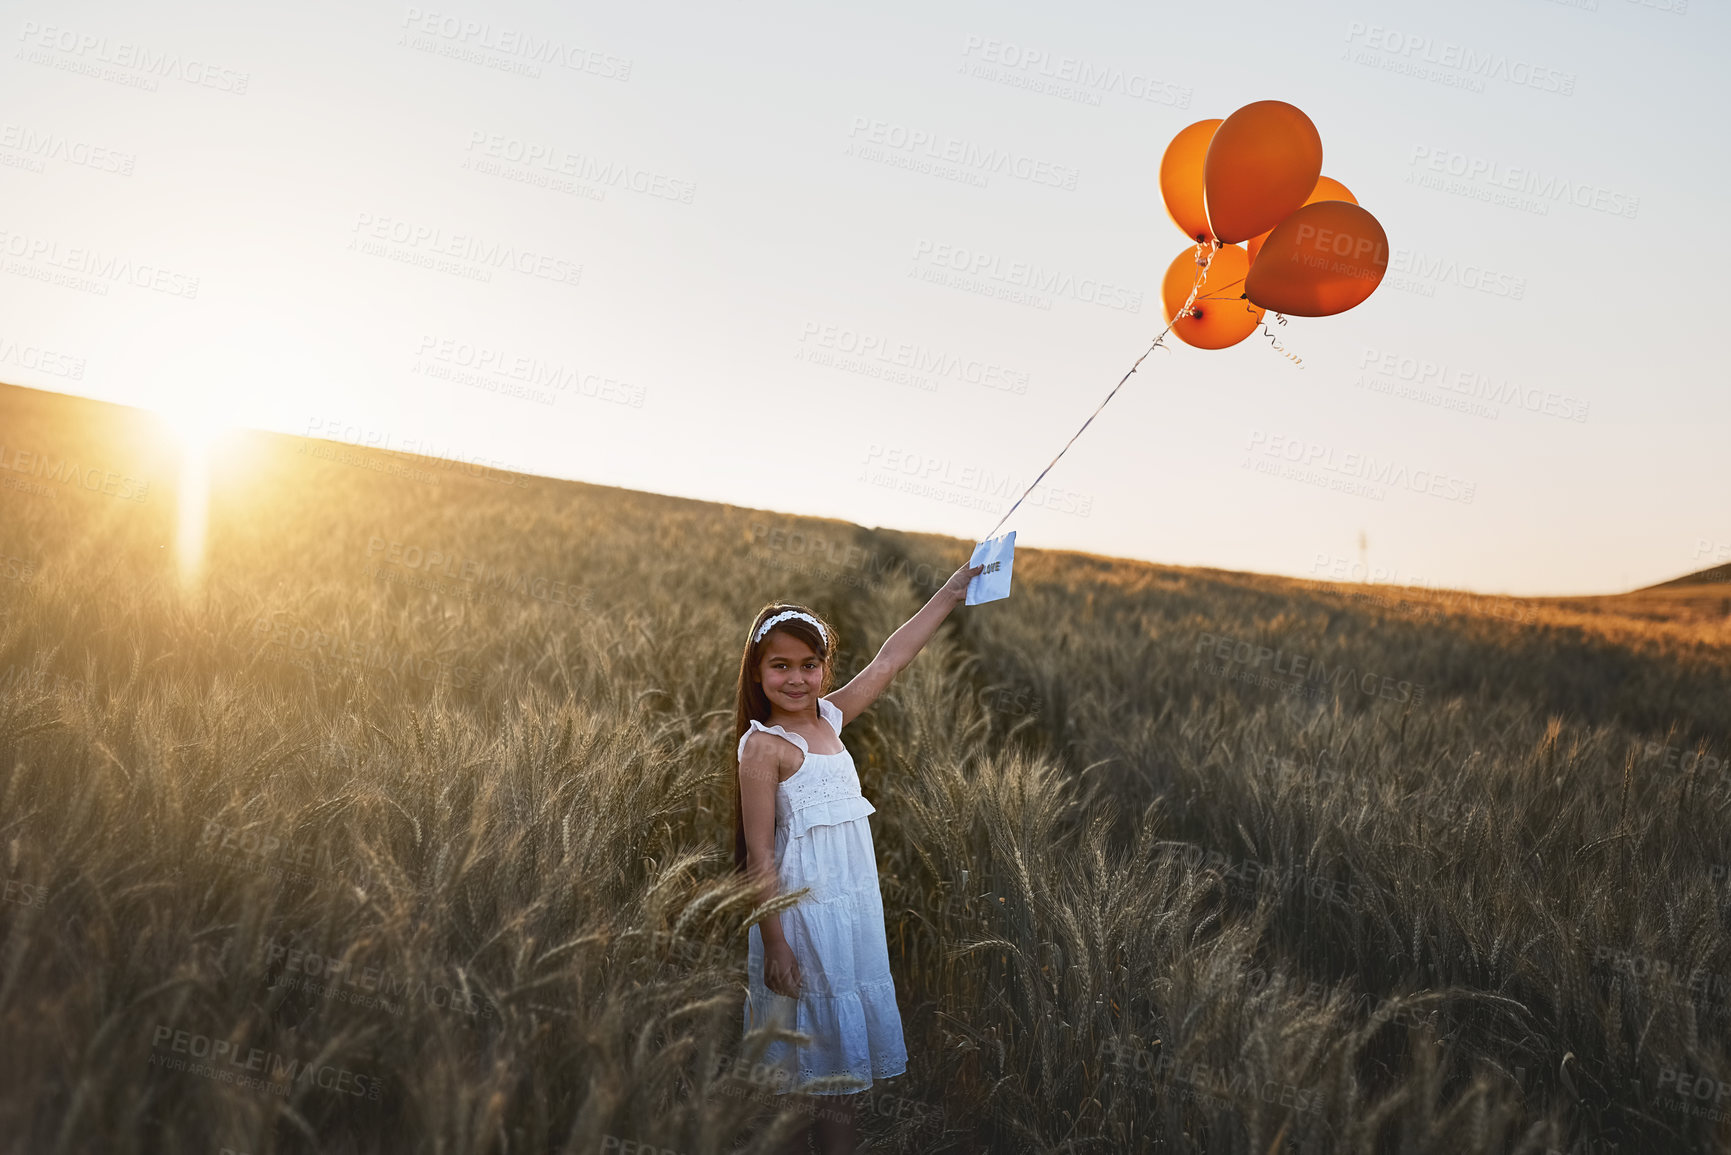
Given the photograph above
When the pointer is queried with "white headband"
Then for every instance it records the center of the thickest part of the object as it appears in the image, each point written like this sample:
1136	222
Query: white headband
783	616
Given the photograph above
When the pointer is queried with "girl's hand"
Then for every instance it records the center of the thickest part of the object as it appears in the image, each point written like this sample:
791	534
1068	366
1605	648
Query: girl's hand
781	969
957	586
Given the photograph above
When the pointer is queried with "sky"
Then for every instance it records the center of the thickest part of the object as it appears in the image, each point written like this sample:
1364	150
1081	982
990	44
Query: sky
880	262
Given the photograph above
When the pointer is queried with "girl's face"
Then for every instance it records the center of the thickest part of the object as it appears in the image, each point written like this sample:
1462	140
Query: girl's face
790	671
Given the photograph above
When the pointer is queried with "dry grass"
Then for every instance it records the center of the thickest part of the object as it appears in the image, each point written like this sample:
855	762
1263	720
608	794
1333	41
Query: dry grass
1135	902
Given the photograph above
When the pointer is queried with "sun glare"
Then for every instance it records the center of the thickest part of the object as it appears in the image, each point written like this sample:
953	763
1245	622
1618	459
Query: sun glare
196	432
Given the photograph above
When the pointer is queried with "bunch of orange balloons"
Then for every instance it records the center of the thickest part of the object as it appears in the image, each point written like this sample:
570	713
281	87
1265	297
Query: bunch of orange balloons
1256	177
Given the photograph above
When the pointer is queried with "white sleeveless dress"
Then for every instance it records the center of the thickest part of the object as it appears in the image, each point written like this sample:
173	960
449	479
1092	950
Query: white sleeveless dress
847	1000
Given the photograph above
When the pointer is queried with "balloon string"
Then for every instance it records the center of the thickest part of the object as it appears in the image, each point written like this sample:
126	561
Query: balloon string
1202	260
1278	347
1213	294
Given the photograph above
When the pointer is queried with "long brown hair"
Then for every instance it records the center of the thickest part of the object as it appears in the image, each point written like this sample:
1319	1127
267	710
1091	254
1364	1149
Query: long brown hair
753	704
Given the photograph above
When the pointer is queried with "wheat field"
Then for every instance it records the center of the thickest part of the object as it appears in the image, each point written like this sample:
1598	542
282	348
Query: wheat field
409	827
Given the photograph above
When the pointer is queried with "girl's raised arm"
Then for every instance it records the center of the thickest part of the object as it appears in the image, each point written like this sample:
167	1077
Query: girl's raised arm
902	646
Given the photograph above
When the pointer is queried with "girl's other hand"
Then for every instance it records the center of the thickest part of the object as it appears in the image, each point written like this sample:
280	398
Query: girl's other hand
781	970
957	586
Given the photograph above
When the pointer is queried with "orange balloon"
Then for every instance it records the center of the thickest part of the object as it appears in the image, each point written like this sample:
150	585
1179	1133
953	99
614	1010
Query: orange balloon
1327	189
1181	179
1220	315
1262	163
1323	259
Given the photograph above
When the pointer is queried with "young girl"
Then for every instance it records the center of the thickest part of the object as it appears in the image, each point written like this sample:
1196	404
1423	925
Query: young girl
822	967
